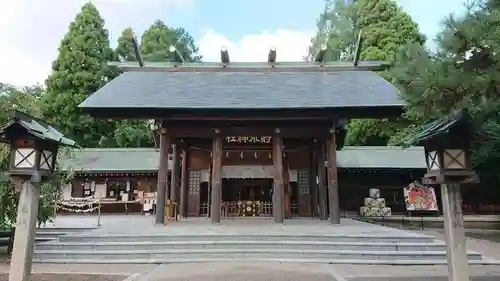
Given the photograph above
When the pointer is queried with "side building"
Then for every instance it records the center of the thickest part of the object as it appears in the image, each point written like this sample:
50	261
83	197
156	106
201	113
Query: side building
120	176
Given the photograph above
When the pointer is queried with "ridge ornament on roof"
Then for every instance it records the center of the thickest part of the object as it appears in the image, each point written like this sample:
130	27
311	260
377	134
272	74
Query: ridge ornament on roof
160	90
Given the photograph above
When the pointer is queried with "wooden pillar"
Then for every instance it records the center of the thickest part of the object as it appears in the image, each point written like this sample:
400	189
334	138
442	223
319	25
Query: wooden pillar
216	179
313	185
210	179
161	189
454	232
24	236
184	181
322	194
333	187
174	177
278	194
287	189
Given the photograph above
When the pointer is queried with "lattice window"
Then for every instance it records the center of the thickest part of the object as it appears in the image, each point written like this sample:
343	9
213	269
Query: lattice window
303	182
194	182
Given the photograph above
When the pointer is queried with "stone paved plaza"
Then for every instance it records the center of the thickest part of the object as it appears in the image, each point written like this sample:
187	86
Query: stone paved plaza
144	225
272	271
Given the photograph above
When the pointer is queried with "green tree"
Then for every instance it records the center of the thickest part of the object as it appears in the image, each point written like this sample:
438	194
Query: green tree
155	47
79	70
130	133
125	49
386	28
465	72
158	38
26	99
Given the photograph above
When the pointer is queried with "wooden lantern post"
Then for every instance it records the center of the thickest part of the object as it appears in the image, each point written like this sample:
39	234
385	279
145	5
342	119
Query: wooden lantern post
446	144
33	152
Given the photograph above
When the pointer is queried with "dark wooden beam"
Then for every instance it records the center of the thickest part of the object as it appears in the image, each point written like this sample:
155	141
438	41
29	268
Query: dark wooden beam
278	194
216	199
158	112
162	178
333	185
286	132
322	192
184	181
300	66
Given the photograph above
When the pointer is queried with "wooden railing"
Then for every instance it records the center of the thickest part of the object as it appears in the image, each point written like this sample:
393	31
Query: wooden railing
241	209
236	209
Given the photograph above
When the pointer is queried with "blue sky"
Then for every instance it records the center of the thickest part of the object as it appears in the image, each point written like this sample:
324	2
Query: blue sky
255	16
32	29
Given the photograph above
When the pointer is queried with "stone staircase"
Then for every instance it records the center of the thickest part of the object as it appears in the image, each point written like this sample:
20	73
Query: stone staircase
96	247
46	234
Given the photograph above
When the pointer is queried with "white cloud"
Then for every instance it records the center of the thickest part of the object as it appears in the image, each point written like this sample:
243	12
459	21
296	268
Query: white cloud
290	45
31	30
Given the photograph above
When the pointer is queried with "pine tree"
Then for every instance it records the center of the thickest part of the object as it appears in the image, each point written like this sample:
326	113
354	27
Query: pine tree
79	70
465	72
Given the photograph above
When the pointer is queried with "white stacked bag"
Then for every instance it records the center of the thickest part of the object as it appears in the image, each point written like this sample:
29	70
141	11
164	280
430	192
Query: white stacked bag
374	206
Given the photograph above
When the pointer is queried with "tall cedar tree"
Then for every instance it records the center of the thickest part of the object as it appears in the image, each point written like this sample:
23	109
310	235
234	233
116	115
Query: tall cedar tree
79	70
157	39
386	27
155	47
130	133
465	72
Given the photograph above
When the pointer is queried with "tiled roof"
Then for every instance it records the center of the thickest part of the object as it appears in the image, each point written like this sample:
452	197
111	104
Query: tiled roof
146	159
114	160
36	127
458	124
382	157
245	90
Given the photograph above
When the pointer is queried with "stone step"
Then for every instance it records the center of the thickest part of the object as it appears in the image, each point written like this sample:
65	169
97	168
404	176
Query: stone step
63	229
172	254
96	237
261	259
305	245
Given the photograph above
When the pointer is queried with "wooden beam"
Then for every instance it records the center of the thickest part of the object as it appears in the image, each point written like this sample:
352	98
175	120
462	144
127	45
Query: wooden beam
286	132
300	66
278	194
313	185
184	181
216	180
333	185
322	193
162	178
174	178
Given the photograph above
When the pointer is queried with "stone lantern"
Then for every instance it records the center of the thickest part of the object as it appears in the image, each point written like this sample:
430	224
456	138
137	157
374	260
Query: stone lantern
33	145
33	152
447	153
446	143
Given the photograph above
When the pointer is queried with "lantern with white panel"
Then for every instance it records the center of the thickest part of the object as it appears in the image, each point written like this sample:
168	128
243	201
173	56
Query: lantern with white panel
30	155
447	143
33	152
33	145
447	151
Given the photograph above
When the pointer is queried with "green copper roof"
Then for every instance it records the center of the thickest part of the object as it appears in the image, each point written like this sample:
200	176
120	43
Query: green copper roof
35	127
440	128
90	160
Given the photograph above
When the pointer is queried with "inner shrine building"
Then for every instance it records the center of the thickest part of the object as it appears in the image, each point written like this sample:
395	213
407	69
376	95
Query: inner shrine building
249	139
